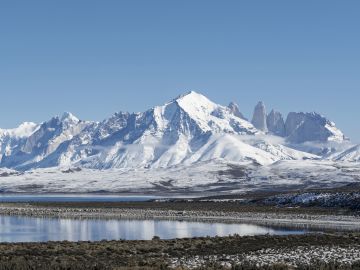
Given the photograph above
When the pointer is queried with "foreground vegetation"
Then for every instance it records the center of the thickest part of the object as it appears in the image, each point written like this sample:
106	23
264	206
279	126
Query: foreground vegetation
178	253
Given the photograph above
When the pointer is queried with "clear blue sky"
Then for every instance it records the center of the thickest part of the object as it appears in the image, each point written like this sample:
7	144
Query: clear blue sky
94	58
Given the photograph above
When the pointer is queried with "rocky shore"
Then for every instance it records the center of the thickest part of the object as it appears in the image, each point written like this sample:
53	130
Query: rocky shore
288	218
308	257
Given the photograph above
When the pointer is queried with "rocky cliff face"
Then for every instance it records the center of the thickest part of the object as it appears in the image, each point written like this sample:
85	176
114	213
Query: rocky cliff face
303	127
234	109
259	117
275	123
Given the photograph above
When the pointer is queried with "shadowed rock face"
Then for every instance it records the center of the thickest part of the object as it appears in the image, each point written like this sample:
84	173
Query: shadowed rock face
303	127
275	123
234	109
259	117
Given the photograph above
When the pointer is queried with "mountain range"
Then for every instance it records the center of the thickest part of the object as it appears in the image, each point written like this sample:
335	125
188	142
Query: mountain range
185	131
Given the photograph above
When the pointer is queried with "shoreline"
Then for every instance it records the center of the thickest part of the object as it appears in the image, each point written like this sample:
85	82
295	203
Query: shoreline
288	218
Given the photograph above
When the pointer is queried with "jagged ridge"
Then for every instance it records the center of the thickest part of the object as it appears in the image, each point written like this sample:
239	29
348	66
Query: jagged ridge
186	130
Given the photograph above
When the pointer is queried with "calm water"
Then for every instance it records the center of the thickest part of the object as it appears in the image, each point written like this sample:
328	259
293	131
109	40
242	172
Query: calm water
72	198
28	229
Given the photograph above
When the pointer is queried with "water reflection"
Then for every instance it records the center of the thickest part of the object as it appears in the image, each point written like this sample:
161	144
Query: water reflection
27	229
73	198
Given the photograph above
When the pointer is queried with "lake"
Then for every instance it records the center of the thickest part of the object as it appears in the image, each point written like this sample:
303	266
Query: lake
30	229
73	198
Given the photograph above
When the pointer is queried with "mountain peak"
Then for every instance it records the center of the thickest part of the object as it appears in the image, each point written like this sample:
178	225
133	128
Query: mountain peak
196	104
190	95
234	109
23	130
259	117
303	127
69	117
275	123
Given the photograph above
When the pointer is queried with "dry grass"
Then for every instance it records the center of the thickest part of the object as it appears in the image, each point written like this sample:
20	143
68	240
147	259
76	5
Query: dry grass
154	254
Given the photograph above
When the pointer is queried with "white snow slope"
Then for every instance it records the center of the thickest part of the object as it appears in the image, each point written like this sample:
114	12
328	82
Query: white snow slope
352	154
210	177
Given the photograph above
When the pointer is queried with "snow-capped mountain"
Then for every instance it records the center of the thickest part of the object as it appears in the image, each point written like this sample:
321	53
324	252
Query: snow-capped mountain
42	142
303	127
162	136
352	154
12	138
184	131
298	127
